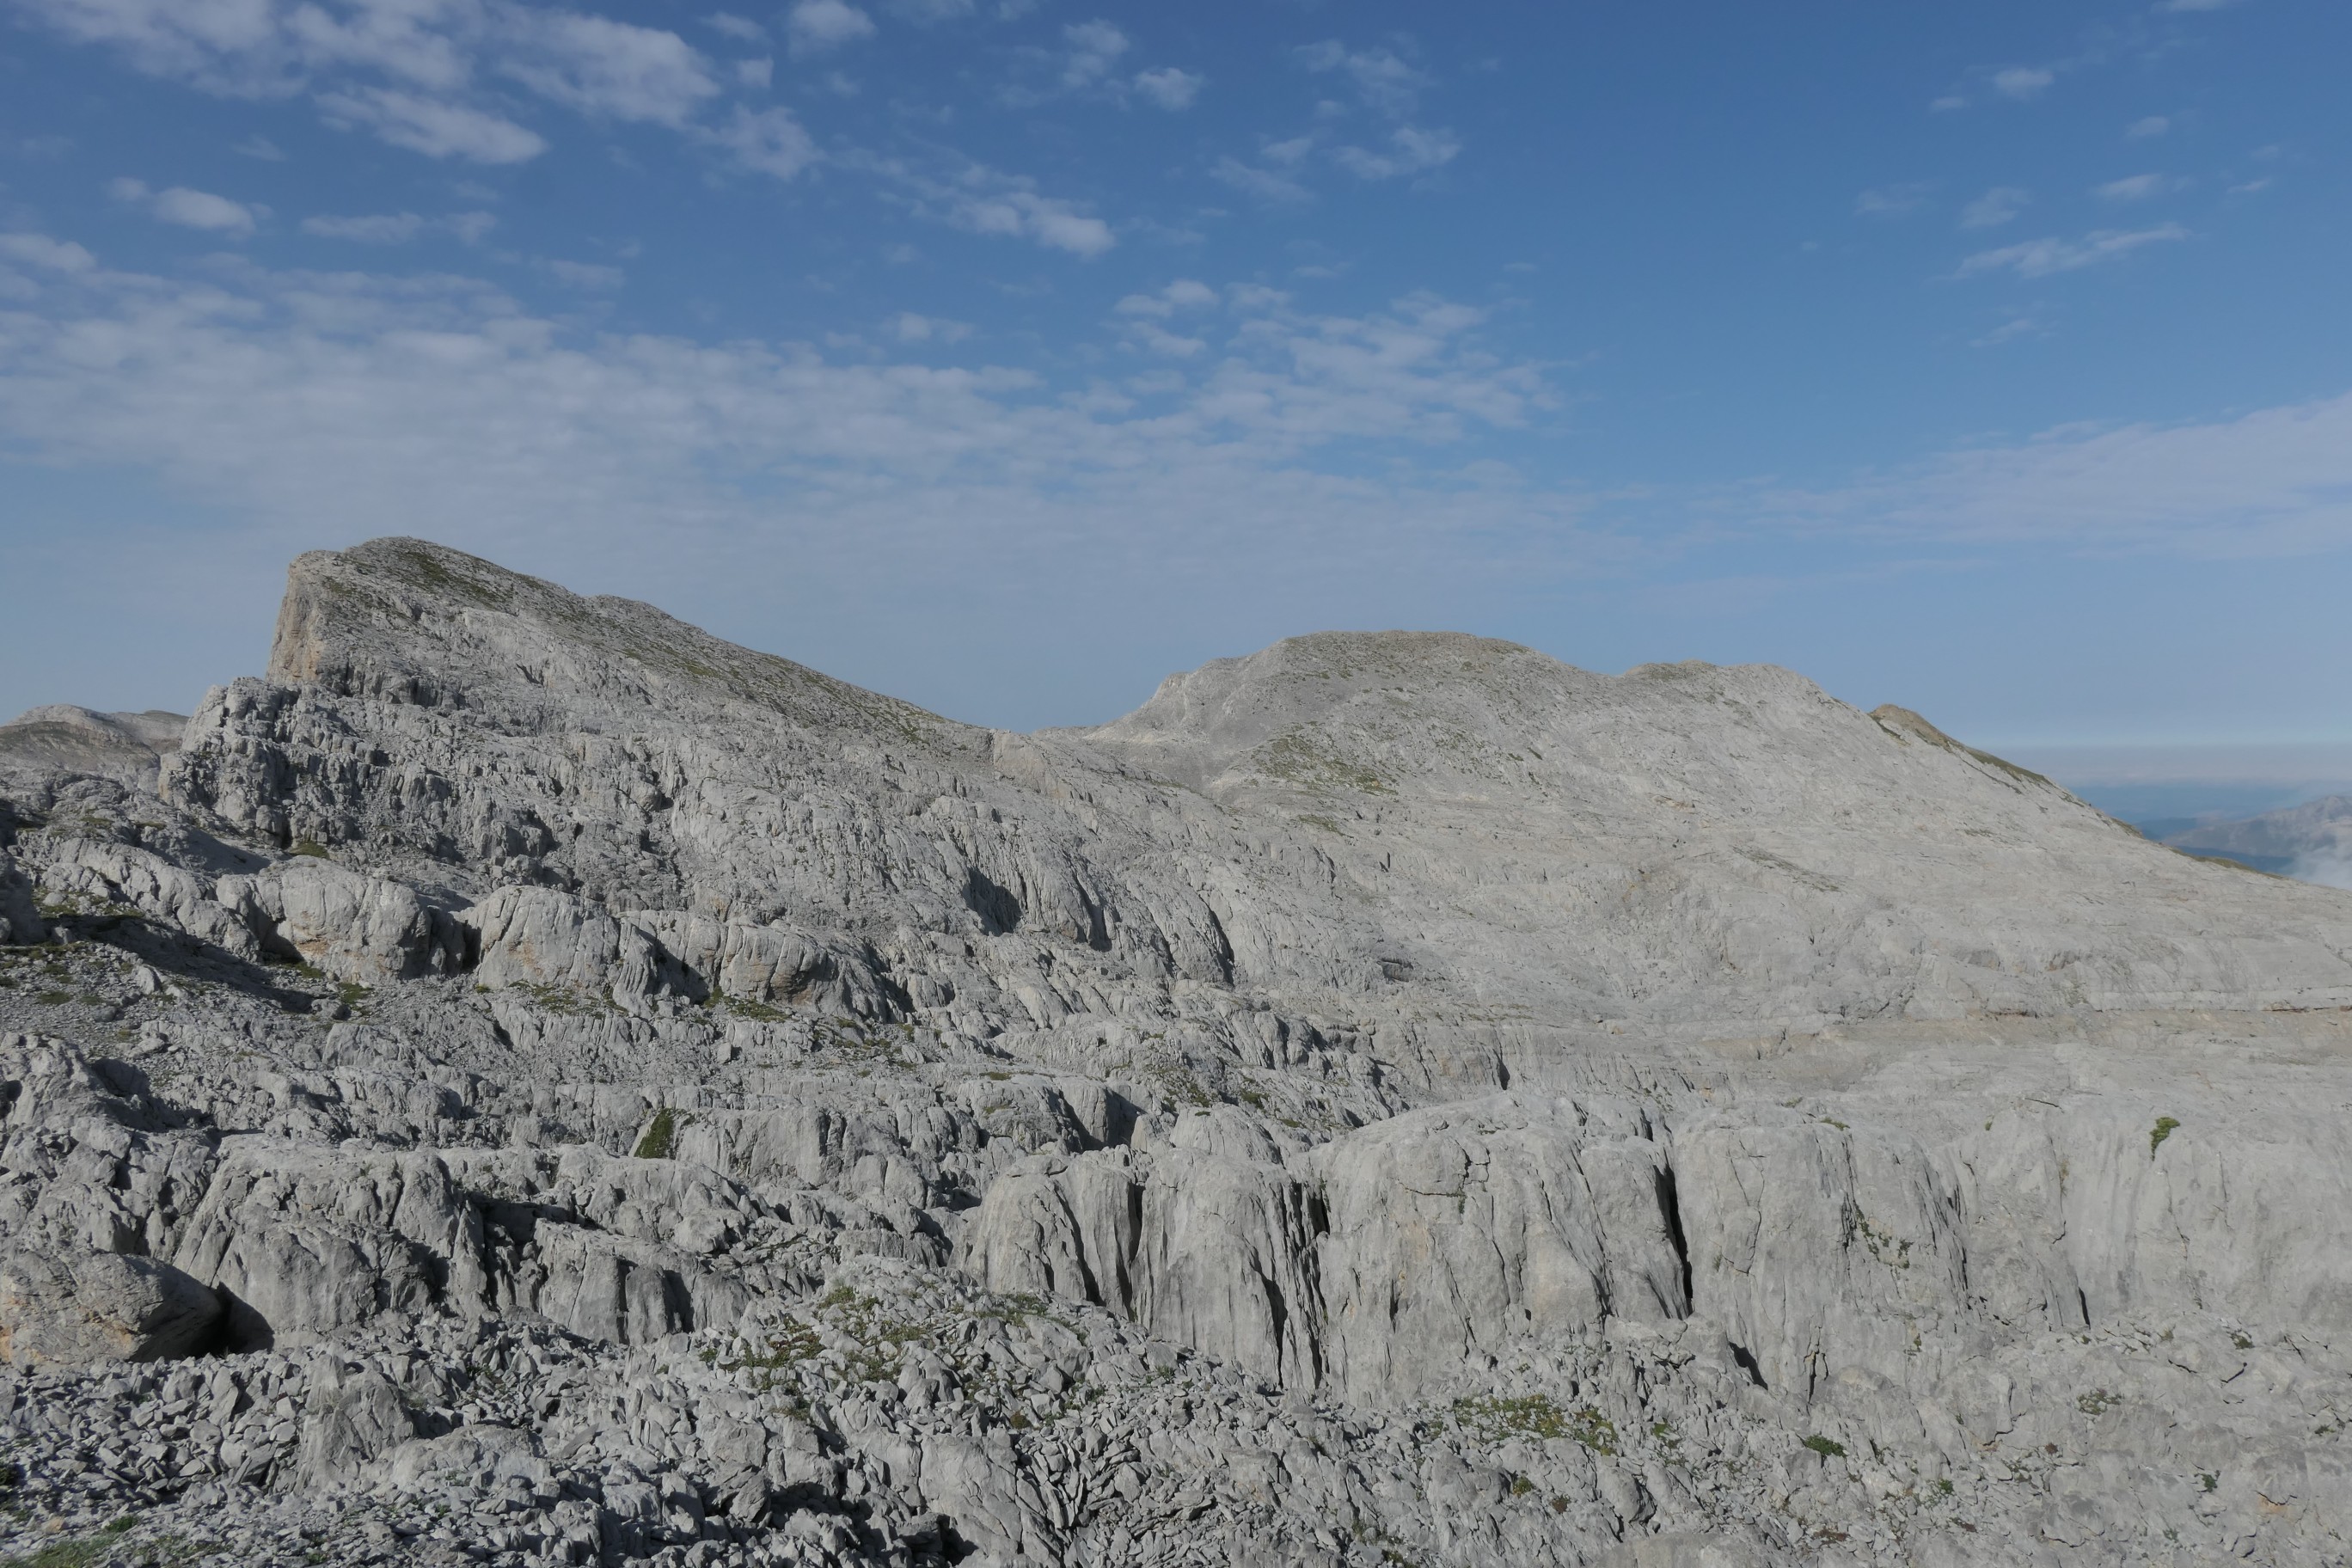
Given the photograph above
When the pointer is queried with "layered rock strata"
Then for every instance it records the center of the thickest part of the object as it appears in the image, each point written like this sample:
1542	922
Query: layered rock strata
528	1082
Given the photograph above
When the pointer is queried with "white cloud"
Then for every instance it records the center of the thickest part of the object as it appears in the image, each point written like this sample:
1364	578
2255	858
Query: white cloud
1997	206
607	68
1263	183
259	147
815	25
432	127
1382	80
2273	483
2196	4
1051	223
287	397
981	200
1184	294
2136	188
410	71
768	140
585	275
1094	49
1410	150
1168	88
2023	81
50	255
1159	340
2153	125
187	208
1892	201
399	228
909	328
742	29
383	228
2041	257
756	73
2010	332
1947	103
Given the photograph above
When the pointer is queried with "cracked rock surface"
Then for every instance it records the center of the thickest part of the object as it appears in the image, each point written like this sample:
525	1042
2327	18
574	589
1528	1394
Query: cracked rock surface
528	1082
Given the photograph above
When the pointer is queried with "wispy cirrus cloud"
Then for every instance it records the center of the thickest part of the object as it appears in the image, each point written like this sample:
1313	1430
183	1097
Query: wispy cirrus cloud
290	394
2021	82
1999	205
1410	150
416	73
978	199
2271	482
1892	201
399	228
1383	80
432	126
2041	258
2131	188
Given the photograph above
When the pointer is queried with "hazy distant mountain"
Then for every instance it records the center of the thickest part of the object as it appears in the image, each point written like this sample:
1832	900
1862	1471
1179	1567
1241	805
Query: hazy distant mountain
2312	841
126	746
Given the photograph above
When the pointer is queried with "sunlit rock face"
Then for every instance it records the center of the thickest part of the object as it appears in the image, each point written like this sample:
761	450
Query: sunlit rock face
527	1080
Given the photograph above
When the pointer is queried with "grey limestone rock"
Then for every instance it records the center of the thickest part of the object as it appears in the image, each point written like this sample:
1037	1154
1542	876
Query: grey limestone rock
20	917
541	1085
354	927
70	1308
60	736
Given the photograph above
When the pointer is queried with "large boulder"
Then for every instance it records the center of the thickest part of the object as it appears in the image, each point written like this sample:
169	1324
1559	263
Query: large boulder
305	1241
73	1309
352	926
537	936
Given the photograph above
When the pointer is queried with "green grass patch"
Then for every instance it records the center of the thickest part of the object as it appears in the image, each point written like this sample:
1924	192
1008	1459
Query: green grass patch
1827	1447
2164	1128
1496	1419
661	1134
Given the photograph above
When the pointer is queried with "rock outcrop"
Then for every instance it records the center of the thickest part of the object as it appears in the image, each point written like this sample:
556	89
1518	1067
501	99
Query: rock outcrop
527	1080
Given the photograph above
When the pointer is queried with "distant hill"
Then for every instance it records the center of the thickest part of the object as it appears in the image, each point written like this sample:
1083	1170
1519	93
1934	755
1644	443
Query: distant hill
2312	841
130	747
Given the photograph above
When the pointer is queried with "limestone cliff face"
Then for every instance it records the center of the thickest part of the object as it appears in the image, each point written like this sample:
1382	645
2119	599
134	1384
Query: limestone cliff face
1412	820
1390	1096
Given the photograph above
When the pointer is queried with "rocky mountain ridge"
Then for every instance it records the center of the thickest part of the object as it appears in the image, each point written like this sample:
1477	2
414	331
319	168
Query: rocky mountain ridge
535	1082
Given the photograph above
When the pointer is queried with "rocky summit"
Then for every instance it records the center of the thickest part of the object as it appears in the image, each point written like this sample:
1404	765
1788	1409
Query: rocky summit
526	1081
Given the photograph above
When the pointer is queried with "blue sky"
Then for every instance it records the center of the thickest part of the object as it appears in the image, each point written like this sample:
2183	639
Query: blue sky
1995	360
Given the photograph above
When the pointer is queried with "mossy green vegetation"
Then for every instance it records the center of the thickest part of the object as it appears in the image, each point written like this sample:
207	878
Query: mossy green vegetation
660	1138
1495	1420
